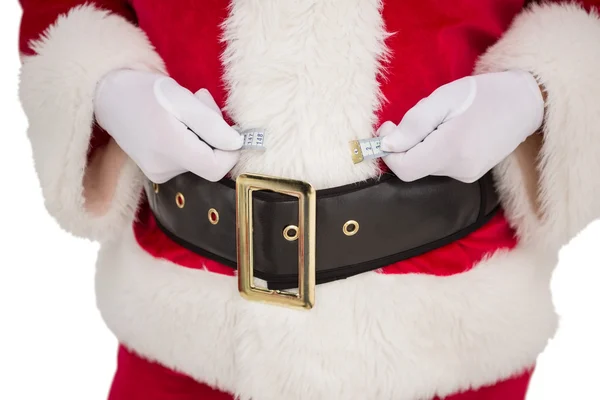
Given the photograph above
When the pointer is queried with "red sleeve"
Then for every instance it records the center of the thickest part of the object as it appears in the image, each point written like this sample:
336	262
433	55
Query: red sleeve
89	185
550	190
40	14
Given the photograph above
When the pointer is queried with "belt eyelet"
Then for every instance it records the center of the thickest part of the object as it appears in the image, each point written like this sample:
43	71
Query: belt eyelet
290	233
213	216
179	200
350	228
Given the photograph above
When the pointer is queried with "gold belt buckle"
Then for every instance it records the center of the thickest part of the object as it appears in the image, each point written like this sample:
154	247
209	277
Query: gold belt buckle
246	185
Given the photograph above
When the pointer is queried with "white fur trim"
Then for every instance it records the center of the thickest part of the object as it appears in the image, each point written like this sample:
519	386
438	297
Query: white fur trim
559	44
292	70
56	91
372	336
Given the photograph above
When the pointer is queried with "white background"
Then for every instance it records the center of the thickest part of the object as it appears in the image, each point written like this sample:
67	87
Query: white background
54	345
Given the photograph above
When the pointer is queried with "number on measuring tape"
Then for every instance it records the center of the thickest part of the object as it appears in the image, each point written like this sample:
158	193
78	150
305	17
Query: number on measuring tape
254	139
366	149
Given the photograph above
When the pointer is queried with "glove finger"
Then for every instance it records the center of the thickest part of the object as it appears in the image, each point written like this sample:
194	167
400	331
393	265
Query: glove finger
201	119
416	163
416	125
456	158
198	158
385	129
164	176
206	98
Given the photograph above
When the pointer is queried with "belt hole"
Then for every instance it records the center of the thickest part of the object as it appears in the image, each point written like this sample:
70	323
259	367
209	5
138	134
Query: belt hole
213	216
155	187
350	228
179	200
290	233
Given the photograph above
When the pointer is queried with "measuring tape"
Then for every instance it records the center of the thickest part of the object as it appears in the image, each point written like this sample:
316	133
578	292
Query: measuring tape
363	149
254	139
366	149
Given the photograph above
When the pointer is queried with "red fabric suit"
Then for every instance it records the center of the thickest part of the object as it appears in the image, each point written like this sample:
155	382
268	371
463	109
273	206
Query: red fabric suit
463	322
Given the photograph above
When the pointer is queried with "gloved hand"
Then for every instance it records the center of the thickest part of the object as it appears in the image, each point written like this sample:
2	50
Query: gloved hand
148	114
465	128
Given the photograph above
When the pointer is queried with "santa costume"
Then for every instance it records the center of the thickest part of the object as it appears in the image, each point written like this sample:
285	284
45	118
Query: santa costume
459	316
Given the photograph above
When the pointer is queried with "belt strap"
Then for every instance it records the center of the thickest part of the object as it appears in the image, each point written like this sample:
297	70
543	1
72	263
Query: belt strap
392	221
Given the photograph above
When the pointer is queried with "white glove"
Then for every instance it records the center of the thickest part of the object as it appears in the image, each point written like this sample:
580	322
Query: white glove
465	128
148	115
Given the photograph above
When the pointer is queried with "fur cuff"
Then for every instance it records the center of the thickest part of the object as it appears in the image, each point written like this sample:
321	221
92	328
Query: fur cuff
56	91
550	185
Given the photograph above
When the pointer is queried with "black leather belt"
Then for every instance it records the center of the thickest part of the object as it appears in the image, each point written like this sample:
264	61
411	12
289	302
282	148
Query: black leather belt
393	221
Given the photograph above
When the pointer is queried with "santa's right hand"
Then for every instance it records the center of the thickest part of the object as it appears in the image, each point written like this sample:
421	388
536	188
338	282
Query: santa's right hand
148	115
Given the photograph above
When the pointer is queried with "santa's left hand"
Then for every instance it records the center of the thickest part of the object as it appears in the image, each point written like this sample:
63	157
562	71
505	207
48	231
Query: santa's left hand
465	128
